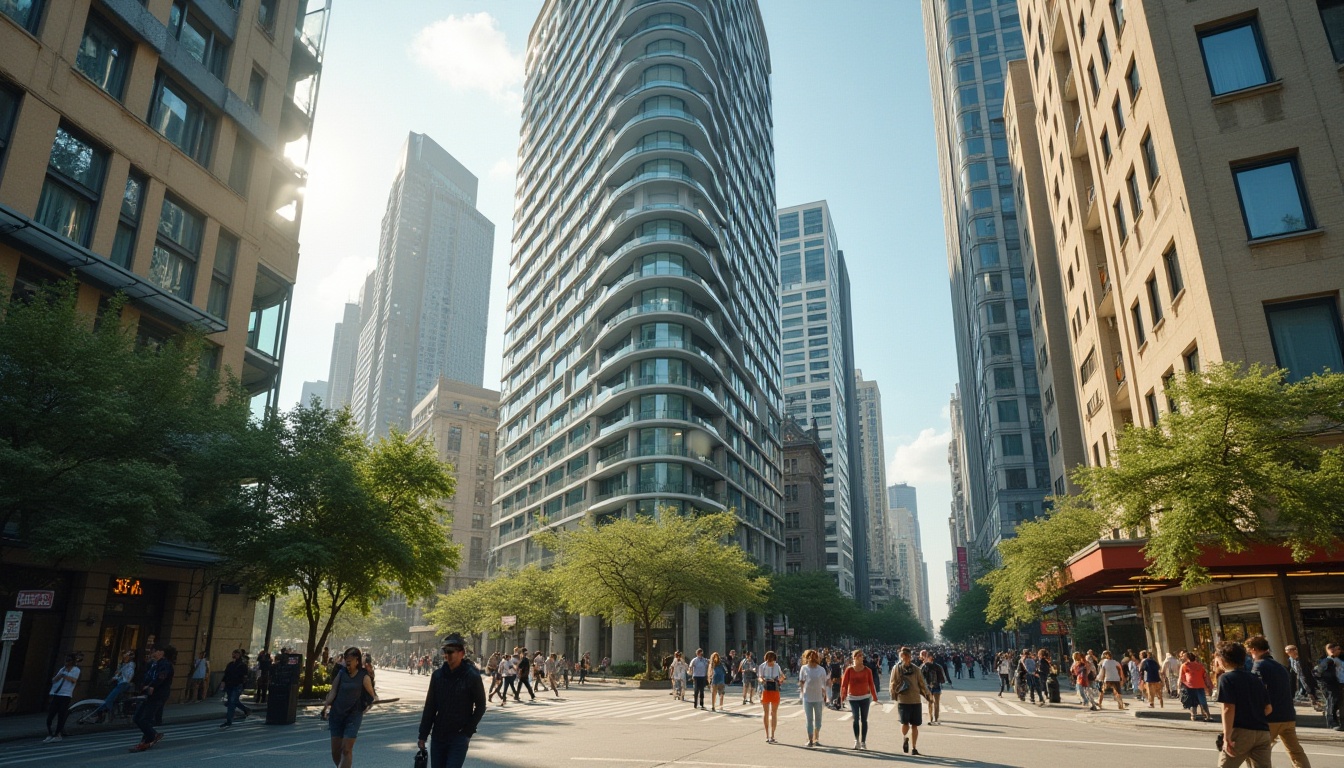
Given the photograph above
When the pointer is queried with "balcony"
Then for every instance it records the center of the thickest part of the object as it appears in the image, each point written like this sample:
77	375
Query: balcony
1093	218
1119	369
1078	147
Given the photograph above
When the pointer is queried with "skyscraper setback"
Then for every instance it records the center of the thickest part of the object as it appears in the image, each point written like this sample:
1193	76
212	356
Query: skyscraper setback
641	362
425	306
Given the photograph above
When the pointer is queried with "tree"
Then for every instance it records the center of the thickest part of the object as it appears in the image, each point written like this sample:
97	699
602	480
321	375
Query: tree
532	595
634	570
1034	562
894	623
967	619
341	522
108	445
1239	461
814	605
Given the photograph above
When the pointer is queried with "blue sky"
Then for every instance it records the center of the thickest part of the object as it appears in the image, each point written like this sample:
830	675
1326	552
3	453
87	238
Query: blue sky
853	126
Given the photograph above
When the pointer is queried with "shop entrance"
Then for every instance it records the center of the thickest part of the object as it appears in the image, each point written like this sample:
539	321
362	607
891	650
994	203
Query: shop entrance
1321	626
132	619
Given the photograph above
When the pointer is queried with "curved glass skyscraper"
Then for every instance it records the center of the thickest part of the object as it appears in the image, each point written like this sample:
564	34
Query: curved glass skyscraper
641	366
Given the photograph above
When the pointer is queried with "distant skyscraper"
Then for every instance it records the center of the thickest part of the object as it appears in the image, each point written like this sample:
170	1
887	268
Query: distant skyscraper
818	369
1003	437
430	293
641	359
883	577
314	389
909	549
344	357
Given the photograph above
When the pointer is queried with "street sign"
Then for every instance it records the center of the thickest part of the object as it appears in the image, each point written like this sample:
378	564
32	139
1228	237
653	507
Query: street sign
508	621
963	570
12	621
35	598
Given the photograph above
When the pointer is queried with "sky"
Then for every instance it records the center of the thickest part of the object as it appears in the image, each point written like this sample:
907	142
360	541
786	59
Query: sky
853	126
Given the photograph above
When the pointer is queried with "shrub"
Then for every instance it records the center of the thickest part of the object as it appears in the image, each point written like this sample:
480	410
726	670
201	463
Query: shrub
627	668
656	674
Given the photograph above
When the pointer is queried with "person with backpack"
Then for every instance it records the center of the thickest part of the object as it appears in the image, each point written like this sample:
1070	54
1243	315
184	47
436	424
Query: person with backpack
907	688
454	707
1330	674
350	696
934	677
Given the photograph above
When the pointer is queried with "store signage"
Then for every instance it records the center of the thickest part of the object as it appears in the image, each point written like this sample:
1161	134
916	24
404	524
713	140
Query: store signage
1054	627
13	619
508	621
129	587
35	598
963	570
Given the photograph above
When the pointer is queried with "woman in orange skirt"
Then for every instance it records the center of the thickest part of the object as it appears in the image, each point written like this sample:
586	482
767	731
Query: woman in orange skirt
771	677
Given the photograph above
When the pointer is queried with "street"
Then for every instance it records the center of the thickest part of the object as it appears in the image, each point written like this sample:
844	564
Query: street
611	725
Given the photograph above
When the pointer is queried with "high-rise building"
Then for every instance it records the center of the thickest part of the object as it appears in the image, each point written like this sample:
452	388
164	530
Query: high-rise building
344	357
311	390
907	544
883	576
430	293
1007	469
818	344
804	478
1179	168
641	361
154	150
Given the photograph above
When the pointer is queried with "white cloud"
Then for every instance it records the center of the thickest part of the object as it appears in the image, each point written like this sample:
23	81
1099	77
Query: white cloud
921	462
470	53
504	169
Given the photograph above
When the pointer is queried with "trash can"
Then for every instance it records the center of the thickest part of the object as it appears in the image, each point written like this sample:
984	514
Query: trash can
283	693
1052	689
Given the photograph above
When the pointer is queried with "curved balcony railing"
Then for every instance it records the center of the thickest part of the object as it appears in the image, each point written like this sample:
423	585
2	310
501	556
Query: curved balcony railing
675	307
693	382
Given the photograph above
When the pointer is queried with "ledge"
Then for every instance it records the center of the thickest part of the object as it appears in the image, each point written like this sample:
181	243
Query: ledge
1286	237
1254	90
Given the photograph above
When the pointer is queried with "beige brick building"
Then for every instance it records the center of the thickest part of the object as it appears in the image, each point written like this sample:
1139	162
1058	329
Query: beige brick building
155	148
1178	168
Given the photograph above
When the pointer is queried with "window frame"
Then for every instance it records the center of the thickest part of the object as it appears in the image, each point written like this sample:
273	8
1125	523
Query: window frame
122	66
128	221
14	98
1136	318
66	183
1154	299
1171	263
1336	45
215	57
1253	21
34	20
1133	83
1330	301
1293	161
1135	194
1122	227
1151	169
203	138
179	250
222	278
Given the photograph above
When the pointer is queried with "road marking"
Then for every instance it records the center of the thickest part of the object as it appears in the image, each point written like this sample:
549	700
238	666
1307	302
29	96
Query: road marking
989	703
1018	707
886	708
665	710
966	706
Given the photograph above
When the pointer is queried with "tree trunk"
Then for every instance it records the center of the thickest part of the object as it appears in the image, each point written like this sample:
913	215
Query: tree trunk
648	649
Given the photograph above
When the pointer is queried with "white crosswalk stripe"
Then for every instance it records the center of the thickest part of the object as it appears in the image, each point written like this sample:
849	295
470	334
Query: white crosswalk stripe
986	707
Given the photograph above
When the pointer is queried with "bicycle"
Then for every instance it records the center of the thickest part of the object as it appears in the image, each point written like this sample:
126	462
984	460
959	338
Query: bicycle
82	720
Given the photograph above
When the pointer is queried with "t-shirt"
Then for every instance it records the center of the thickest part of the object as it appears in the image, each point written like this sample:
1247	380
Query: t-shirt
769	671
1279	688
857	683
748	669
199	671
508	668
1029	665
813	682
678	669
63	687
1150	670
1193	675
1079	672
1110	671
699	667
1245	692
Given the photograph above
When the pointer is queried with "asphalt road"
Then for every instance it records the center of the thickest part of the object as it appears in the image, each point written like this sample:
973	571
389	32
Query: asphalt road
609	726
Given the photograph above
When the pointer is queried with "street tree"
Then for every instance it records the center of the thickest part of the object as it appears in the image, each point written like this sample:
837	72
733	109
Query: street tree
894	623
966	621
1033	572
108	445
531	595
339	521
814	606
636	570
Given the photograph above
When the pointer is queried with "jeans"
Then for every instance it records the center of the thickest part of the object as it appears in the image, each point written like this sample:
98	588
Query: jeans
860	709
234	693
450	752
1332	697
520	682
1004	684
146	715
58	710
111	699
1085	693
700	683
1033	687
813	710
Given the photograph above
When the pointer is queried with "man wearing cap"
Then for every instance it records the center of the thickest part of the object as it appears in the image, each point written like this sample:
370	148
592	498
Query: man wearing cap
453	707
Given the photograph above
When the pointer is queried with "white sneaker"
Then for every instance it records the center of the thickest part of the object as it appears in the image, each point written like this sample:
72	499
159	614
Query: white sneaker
57	737
863	745
48	740
858	744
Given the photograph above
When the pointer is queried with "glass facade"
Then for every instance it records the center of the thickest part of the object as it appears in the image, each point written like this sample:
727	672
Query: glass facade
641	362
1003	435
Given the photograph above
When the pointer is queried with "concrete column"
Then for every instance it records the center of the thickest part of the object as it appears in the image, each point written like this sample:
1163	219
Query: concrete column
1272	620
718	634
690	629
588	640
758	640
532	640
740	630
622	643
557	641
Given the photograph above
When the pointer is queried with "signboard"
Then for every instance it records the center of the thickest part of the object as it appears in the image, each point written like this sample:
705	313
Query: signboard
508	621
12	621
34	598
963	570
131	587
1054	627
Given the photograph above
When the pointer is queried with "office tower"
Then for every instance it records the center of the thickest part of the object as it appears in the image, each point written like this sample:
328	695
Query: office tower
344	357
882	573
1008	473
804	478
154	150
912	571
818	366
1185	160
430	293
641	361
313	389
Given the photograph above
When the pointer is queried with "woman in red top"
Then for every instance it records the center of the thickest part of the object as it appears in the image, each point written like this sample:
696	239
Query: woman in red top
1194	685
856	686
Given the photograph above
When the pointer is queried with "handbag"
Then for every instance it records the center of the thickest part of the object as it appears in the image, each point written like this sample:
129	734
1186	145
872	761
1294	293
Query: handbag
421	759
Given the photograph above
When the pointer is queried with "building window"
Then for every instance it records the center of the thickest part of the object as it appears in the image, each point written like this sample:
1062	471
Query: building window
1106	153
1234	56
1136	315
240	168
1121	227
1150	401
1012	444
104	56
454	444
25	13
814	265
1118	14
1150	167
266	11
1135	196
1154	299
226	256
1172	262
9	108
128	222
1118	113
1132	80
1104	44
256	90
181	120
72	187
1192	361
1306	336
1273	198
788	226
1092	80
1015	479
812	221
1332	16
177	248
1004	380
198	39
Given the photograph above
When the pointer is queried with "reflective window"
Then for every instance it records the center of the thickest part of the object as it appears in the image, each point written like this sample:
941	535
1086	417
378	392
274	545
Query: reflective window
181	120
26	13
177	248
1234	57
1332	16
73	184
663	73
198	38
104	56
1306	336
128	223
1273	199
226	257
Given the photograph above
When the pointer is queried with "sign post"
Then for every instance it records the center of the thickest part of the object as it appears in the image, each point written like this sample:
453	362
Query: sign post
13	621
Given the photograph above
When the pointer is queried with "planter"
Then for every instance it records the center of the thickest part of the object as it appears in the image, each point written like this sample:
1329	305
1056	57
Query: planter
655	685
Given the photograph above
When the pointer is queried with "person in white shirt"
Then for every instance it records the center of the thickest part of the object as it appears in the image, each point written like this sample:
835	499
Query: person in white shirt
700	676
1112	677
552	667
121	681
200	672
771	676
62	688
677	671
1171	673
814	681
748	671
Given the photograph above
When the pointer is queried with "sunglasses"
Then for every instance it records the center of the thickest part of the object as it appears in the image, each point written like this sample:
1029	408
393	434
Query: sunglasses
447	651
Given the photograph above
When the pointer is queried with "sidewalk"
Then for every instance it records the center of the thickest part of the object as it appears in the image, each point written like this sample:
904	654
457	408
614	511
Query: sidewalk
1310	724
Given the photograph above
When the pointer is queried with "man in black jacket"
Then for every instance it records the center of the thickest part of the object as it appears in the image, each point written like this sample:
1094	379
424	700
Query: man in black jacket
453	707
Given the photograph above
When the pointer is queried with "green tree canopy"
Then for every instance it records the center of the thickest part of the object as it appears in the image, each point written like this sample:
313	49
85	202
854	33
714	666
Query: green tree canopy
894	623
1032	574
635	570
814	605
108	445
967	619
531	594
341	522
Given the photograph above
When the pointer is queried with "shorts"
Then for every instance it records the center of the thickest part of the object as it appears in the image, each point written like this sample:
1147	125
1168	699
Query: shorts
769	697
344	725
910	714
1110	686
935	689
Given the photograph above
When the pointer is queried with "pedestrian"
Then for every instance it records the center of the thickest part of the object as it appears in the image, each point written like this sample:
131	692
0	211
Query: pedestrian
1027	681
1112	677
1150	678
1279	687
718	680
564	669
585	663
120	682
858	688
1171	674
771	675
1194	686
699	677
747	670
454	707
350	696
934	677
157	685
264	664
1330	674
814	681
1045	674
200	673
62	689
676	672
521	680
606	664
1081	675
1005	673
539	675
1304	682
836	667
1131	661
907	688
1245	703
235	675
508	667
552	666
